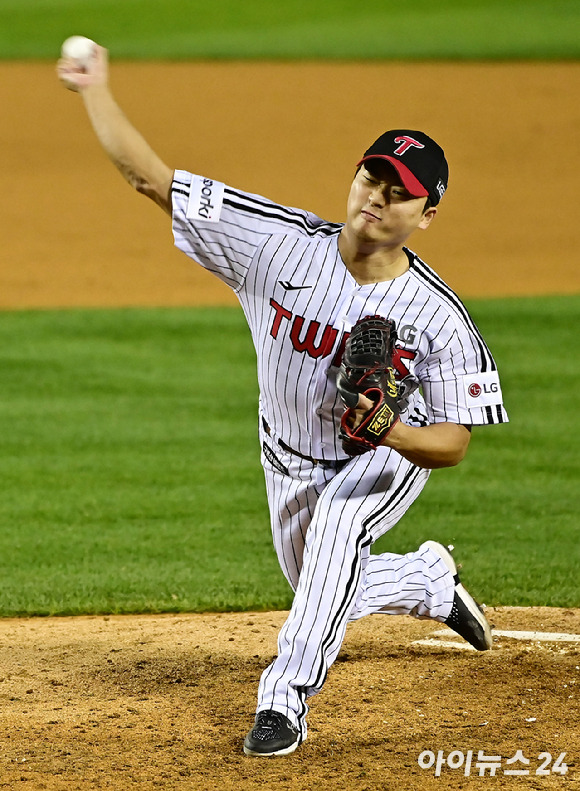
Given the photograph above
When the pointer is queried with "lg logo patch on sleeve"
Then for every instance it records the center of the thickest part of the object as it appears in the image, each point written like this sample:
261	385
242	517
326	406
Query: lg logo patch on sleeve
482	389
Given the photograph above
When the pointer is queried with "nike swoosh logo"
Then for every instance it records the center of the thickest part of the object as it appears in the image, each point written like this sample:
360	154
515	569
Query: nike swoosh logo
287	286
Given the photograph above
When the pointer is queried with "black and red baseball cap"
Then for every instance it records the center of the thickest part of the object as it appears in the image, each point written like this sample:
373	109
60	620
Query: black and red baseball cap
418	160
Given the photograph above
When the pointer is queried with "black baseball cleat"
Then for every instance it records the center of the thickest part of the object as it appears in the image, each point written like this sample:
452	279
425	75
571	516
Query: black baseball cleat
466	616
272	734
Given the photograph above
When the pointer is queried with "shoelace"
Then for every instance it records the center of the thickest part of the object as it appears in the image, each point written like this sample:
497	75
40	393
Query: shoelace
270	719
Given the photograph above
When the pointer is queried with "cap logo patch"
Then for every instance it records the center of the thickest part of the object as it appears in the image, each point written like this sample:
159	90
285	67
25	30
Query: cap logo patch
405	143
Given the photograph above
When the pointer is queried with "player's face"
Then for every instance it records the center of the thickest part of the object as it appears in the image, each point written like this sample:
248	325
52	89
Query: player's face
379	208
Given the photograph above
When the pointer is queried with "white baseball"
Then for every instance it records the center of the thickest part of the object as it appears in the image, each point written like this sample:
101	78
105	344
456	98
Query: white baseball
80	48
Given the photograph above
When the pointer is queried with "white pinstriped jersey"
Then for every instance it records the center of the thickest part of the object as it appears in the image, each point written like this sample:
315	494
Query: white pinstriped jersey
300	302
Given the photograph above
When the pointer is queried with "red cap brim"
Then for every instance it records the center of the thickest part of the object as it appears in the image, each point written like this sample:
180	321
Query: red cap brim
411	184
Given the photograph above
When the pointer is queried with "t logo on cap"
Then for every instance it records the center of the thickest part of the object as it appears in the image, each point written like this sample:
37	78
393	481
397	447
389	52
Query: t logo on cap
406	142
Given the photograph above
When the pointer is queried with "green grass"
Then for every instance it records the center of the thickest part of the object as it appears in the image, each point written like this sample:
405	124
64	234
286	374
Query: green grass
120	490
179	29
125	488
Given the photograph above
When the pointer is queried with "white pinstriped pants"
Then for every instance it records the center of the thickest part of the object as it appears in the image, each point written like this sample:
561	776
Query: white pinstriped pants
323	526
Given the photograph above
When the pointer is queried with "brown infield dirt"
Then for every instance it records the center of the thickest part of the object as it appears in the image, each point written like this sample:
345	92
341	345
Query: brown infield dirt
143	702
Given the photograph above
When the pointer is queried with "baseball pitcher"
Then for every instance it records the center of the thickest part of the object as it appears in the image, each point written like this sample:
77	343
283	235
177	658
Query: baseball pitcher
371	373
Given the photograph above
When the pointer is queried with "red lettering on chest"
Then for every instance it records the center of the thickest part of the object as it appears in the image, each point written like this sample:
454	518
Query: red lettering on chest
306	341
308	344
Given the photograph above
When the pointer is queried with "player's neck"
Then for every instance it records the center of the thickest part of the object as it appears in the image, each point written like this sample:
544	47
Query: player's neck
373	265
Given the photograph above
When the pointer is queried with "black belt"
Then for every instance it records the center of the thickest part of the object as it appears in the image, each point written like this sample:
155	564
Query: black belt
335	464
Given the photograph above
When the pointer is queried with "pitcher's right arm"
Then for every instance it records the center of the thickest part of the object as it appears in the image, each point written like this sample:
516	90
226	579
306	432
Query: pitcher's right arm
128	150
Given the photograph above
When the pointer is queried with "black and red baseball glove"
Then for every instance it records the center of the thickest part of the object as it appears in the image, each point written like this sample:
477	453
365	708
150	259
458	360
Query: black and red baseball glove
367	369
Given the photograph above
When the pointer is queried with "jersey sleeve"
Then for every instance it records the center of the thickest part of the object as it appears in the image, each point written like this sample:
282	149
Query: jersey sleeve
459	378
223	229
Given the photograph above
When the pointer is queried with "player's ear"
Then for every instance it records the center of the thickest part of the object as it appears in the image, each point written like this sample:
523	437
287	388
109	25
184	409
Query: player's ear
427	218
